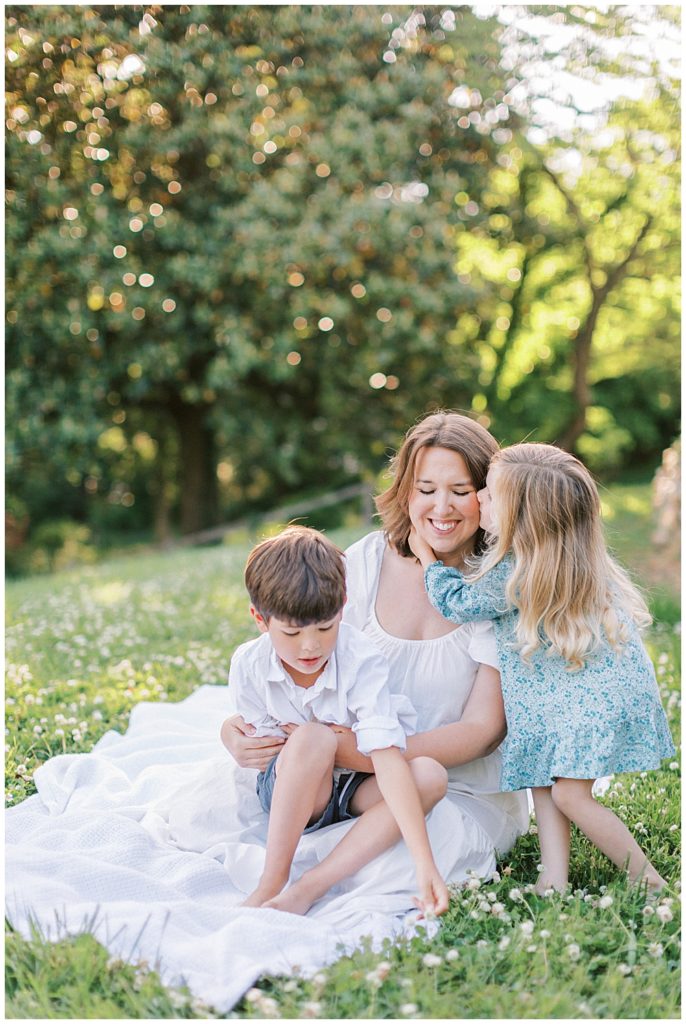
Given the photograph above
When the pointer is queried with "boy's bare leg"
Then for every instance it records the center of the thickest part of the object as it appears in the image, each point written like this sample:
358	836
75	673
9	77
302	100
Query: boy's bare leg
301	793
574	798
375	830
553	836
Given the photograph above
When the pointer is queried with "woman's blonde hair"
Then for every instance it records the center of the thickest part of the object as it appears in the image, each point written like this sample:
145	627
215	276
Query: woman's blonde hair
438	430
565	584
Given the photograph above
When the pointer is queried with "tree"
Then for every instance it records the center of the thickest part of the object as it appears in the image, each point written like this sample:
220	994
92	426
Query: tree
583	242
233	232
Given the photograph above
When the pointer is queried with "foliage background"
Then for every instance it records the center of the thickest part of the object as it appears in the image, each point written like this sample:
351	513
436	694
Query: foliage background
247	246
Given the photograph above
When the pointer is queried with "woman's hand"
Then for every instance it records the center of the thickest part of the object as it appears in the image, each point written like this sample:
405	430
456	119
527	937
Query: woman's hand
347	754
247	750
421	549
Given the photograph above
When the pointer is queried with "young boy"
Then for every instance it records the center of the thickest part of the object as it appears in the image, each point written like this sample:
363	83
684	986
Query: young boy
310	670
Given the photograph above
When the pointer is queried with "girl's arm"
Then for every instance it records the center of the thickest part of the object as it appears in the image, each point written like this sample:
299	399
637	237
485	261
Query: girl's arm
456	599
399	791
481	729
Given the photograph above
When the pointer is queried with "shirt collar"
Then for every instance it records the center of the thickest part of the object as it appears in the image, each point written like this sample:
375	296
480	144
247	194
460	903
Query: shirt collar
327	680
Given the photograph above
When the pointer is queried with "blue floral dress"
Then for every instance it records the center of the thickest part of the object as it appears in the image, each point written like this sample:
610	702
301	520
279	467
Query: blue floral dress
603	718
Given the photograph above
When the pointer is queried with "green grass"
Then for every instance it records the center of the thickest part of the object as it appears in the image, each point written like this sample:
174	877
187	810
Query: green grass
84	647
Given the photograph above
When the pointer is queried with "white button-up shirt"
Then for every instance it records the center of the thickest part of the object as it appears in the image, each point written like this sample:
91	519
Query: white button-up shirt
352	691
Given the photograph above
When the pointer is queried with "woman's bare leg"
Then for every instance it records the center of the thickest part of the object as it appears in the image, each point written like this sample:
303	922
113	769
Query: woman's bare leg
574	798
304	774
553	836
374	831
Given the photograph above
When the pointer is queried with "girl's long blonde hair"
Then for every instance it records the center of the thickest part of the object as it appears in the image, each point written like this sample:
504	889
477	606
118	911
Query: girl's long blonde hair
565	585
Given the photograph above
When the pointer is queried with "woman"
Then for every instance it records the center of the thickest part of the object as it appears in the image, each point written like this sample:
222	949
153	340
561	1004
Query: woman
449	673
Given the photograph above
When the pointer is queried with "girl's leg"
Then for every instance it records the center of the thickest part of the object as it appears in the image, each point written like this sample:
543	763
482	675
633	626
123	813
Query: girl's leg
304	773
553	836
374	831
574	798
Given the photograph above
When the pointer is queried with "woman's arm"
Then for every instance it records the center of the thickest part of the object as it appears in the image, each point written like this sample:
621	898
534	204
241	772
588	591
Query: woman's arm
481	729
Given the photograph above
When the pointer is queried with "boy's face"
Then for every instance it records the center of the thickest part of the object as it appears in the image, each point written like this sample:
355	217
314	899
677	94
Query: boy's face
304	650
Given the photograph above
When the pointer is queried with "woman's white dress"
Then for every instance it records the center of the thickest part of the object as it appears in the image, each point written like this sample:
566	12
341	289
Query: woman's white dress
437	676
152	840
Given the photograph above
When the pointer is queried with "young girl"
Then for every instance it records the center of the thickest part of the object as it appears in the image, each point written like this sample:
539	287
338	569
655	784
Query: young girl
580	694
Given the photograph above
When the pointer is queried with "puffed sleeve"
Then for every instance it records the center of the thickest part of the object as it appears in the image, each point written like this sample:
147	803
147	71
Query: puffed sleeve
362	566
482	646
461	601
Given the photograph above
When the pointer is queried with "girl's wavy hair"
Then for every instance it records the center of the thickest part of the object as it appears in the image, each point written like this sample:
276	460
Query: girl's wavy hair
443	429
565	584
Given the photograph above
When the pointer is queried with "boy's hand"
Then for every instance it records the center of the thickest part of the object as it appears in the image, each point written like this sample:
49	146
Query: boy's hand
420	549
433	897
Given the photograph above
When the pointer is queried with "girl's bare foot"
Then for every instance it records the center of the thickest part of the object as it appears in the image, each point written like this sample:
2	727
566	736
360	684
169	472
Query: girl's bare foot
545	885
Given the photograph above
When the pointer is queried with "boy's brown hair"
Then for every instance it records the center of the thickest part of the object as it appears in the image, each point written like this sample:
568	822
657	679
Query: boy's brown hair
297	576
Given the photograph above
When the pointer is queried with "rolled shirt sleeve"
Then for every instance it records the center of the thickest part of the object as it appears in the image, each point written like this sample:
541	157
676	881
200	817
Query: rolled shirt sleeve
378	724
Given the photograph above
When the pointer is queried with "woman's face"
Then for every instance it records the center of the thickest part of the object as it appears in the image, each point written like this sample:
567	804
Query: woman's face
443	506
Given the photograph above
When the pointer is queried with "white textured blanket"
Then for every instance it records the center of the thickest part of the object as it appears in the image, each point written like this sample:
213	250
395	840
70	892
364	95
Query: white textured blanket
151	841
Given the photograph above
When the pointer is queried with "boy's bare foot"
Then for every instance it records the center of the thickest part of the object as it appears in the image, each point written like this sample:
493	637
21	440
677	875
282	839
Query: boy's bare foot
259	897
297	899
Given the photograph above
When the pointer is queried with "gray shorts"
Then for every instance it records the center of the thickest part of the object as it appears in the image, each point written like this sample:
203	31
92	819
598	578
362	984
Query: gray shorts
343	789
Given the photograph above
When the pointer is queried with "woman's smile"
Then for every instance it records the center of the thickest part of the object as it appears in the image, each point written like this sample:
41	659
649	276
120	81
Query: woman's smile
443	506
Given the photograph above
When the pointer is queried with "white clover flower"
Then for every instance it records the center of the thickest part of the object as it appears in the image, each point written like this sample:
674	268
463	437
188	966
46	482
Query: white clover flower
527	928
481	943
432	960
407	1009
474	914
373	979
573	951
474	884
624	969
532	948
656	949
507	870
504	942
497	908
494	876
311	1009
604	902
484	907
290	986
648	911
177	999
452	954
674	766
252	995
544	933
515	894
664	914
320	978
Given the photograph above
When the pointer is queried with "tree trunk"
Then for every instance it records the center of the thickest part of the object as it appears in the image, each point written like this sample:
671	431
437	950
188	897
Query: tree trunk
196	472
584	343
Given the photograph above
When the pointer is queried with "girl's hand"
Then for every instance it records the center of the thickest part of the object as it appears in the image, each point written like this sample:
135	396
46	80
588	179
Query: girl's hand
247	750
434	897
420	549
